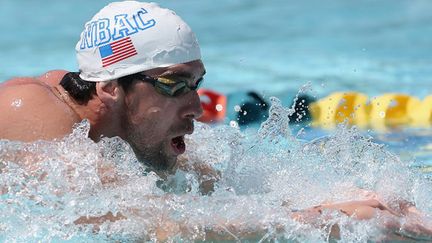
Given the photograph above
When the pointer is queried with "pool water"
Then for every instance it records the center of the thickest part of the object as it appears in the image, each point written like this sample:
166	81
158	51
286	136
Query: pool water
273	47
264	175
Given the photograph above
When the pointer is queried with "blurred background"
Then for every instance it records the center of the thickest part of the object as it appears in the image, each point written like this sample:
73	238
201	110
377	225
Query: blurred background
272	46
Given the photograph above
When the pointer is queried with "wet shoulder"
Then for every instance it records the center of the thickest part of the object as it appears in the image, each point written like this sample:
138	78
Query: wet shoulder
53	77
50	78
30	111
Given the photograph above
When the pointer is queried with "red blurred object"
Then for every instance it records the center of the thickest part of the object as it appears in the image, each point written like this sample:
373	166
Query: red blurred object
214	106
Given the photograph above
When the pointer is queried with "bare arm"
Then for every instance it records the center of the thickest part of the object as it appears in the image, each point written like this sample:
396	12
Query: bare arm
220	228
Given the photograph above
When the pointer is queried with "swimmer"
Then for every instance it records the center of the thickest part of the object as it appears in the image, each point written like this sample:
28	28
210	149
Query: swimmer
139	70
138	79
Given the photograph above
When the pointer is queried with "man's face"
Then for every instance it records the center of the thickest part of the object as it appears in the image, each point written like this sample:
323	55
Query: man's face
155	124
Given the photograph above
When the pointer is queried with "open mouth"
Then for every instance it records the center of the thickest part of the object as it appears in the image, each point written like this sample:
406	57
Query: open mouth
178	144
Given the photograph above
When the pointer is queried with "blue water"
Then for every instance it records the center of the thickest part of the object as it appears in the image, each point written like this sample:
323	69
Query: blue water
273	47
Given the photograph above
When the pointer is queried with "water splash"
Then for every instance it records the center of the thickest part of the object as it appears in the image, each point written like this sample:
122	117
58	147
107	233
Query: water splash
264	175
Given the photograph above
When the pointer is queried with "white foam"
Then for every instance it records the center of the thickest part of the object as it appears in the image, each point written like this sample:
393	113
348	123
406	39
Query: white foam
51	184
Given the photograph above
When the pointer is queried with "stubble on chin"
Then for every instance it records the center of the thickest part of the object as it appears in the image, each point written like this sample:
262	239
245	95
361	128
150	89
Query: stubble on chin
146	149
156	159
153	155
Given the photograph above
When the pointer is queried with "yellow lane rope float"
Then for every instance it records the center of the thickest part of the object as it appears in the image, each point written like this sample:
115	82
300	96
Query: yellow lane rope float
379	113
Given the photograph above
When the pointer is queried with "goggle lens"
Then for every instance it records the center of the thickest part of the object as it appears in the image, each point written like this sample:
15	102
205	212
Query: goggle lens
170	87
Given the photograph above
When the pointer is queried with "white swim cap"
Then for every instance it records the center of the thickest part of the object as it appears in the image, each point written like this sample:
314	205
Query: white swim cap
130	37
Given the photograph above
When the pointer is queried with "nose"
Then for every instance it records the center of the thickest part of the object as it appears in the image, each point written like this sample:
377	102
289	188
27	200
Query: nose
192	108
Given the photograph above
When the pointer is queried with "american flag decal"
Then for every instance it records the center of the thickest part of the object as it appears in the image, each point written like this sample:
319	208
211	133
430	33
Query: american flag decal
116	51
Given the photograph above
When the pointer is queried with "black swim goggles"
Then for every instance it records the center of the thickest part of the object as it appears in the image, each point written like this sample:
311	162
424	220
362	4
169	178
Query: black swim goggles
169	86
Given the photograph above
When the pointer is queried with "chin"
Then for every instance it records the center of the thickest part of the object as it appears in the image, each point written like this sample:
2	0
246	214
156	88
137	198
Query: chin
168	160
159	156
171	163
160	161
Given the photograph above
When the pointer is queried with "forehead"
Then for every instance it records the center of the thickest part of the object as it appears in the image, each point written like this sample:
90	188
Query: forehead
194	70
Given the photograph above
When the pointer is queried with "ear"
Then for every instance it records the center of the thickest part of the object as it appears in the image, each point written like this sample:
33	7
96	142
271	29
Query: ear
110	93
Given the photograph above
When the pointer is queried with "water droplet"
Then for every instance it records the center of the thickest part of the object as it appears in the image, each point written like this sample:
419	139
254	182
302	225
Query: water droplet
393	103
233	124
17	103
219	107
